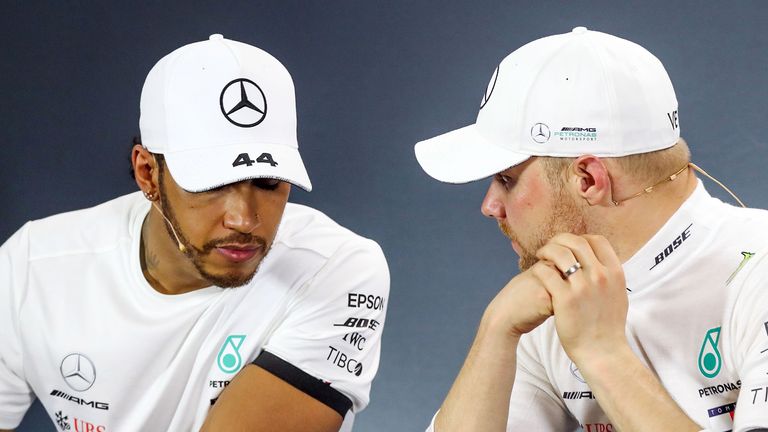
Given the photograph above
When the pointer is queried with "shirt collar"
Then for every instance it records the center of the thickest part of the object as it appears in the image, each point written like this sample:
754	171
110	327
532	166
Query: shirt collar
666	249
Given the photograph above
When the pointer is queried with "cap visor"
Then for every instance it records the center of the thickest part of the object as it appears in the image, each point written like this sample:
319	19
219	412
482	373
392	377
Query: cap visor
463	156
204	169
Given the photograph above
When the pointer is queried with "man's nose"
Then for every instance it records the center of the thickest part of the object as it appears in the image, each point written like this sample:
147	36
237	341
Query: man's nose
242	213
492	205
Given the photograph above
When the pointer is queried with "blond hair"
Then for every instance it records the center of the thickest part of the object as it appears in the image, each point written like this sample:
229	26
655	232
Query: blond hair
642	167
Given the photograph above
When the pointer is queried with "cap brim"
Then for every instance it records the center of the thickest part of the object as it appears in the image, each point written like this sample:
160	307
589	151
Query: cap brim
463	156
205	169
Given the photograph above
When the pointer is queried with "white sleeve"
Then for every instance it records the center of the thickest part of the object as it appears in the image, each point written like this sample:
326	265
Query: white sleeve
534	404
431	427
747	333
333	328
15	394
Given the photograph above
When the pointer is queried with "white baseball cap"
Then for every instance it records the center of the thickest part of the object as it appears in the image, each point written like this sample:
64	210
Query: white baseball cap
221	111
582	92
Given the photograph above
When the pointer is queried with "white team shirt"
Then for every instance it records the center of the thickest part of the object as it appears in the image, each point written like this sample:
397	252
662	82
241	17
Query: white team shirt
82	329
686	322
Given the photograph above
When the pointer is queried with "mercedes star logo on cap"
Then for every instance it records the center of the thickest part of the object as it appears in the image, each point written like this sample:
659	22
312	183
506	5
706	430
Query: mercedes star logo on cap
540	133
489	89
243	103
78	371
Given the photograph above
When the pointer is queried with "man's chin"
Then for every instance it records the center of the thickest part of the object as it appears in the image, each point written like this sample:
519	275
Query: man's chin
229	280
226	275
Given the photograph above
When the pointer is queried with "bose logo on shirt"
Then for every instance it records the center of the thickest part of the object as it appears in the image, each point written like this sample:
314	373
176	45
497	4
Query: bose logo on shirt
686	234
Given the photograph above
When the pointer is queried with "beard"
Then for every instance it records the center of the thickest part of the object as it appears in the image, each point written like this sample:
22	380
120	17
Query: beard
565	217
196	255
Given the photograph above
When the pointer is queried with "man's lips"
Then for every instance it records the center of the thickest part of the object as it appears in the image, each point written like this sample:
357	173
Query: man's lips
238	253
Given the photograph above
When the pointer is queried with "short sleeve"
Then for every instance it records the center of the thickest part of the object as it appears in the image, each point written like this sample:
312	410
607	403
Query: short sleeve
746	331
15	394
534	404
333	327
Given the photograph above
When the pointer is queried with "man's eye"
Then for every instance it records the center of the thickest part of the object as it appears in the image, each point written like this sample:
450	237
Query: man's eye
266	183
505	181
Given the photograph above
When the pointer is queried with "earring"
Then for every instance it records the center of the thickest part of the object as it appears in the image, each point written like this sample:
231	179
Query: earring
149	195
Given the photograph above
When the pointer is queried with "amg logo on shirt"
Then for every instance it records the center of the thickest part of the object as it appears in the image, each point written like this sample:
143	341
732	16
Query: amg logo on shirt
578	395
676	243
77	400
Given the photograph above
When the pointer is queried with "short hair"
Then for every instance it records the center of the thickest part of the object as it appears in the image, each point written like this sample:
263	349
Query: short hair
647	167
158	156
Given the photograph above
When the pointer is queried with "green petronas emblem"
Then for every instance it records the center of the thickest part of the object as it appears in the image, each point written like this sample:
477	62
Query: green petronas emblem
229	359
709	356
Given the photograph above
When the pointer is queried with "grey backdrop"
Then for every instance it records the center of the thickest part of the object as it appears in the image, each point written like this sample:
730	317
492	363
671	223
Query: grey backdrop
372	78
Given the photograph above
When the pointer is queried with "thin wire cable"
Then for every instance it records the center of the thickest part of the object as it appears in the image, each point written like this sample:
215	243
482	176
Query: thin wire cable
698	169
649	189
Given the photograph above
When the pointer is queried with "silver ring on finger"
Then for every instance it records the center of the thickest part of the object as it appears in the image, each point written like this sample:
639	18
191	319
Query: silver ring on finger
571	270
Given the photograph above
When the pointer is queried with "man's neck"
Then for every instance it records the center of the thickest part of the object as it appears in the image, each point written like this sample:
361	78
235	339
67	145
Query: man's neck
631	224
164	266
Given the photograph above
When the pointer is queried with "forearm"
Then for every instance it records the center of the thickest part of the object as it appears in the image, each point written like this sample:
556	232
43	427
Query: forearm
479	397
627	391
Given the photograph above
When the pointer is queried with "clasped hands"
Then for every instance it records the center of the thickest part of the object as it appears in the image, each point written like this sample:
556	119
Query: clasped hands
588	300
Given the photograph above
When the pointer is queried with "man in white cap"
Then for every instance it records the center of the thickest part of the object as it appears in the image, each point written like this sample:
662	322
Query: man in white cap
206	300
622	317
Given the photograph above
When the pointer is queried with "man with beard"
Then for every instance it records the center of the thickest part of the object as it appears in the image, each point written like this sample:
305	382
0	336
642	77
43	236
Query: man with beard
592	183
138	313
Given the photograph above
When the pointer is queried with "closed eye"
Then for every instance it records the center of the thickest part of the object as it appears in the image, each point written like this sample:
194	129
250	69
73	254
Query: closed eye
506	181
266	183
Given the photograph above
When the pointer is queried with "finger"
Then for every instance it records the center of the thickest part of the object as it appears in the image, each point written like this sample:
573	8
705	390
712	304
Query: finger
580	248
562	257
551	279
603	250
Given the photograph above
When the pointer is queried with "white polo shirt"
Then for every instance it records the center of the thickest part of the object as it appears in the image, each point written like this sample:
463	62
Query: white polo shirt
81	329
698	333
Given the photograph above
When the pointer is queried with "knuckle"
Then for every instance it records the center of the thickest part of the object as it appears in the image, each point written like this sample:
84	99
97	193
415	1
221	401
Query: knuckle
538	269
600	277
596	238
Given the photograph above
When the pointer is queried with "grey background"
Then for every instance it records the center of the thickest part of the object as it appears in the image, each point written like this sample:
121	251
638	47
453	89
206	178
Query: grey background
372	78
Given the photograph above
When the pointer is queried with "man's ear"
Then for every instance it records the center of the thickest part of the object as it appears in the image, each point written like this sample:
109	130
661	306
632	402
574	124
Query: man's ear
591	181
145	170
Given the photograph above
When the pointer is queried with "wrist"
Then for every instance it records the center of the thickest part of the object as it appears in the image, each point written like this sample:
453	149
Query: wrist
495	327
597	365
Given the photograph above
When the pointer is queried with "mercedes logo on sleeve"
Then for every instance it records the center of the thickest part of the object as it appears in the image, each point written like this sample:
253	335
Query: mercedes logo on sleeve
489	89
540	133
575	372
78	371
243	103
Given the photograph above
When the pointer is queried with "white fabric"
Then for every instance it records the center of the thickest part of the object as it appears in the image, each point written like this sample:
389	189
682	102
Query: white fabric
207	103
72	284
672	307
583	92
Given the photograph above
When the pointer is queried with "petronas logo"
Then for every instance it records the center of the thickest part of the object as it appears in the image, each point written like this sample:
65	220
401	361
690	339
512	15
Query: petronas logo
229	360
709	356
